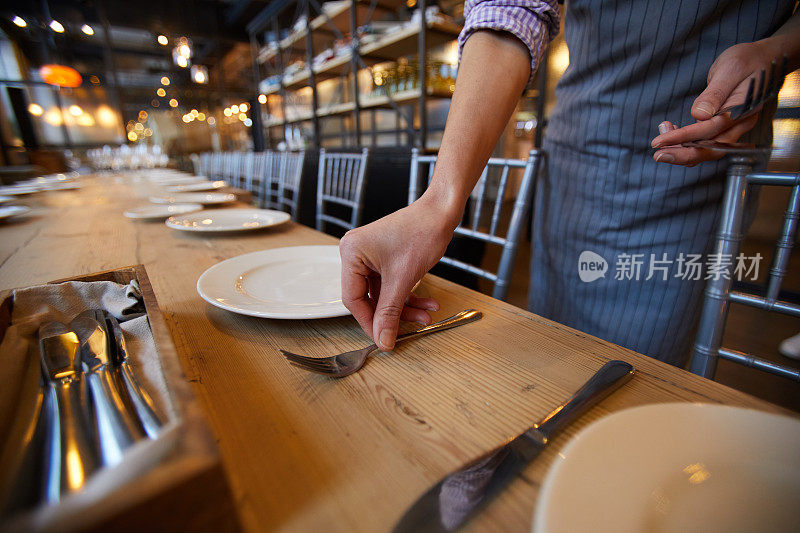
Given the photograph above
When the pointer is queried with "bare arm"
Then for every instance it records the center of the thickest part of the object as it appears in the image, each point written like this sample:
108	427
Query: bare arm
382	261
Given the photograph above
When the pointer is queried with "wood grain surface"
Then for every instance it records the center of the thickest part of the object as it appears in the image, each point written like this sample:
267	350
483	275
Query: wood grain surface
307	453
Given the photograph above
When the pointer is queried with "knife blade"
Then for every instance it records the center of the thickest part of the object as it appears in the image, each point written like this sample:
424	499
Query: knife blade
140	400
460	495
70	448
117	427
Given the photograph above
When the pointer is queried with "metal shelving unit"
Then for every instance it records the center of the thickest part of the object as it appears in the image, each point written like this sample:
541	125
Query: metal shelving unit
335	23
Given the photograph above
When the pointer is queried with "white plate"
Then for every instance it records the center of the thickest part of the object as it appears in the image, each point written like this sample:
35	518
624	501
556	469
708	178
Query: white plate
196	187
9	211
18	190
673	468
228	220
4	199
209	198
175	180
63	186
298	282
162	211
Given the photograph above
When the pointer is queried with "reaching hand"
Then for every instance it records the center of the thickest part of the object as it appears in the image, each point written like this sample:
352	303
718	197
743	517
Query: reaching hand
383	260
728	80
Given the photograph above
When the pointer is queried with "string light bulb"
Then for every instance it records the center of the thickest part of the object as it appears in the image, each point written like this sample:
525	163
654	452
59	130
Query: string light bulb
56	26
19	21
88	30
162	40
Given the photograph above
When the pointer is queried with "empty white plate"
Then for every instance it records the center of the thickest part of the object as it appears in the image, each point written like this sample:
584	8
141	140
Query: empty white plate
228	220
4	199
673	468
9	211
208	198
162	211
298	282
198	186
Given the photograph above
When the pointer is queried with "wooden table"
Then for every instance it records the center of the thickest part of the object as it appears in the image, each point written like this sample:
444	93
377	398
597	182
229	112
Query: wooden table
308	453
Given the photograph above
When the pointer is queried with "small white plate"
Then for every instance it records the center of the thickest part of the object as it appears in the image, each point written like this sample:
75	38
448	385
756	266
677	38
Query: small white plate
228	220
676	467
209	198
162	211
197	187
175	180
9	211
298	282
4	199
18	190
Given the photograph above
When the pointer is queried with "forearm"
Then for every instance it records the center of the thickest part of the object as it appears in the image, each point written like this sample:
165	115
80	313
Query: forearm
494	69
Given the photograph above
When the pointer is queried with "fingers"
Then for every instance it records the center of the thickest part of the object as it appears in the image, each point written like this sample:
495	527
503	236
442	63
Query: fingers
416	309
678	155
725	77
355	289
393	294
707	129
429	304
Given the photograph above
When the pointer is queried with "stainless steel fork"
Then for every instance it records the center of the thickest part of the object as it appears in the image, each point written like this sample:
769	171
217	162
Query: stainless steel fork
344	364
768	89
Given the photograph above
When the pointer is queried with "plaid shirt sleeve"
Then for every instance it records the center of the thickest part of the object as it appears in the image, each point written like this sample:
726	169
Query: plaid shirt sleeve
534	22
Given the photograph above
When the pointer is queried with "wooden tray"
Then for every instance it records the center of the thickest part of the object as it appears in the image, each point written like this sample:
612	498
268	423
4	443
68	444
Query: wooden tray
187	489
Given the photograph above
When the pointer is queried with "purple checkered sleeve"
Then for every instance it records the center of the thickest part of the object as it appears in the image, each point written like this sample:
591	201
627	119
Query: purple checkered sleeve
534	22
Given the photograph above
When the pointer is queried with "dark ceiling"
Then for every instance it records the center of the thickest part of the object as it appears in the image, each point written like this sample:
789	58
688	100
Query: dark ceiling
215	27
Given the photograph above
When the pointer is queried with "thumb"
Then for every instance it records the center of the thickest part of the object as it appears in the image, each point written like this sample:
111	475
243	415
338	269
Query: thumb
387	313
721	84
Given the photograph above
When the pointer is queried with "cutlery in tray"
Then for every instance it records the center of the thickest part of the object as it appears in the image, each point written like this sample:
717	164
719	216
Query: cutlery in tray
97	426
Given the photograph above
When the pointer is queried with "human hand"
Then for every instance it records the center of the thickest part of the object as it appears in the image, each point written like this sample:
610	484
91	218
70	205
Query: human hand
383	260
728	81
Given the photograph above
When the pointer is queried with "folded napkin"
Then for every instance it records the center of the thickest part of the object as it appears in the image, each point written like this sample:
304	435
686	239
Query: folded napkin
20	375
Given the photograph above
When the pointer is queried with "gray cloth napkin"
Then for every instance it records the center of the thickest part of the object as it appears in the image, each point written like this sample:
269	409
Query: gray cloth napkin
20	373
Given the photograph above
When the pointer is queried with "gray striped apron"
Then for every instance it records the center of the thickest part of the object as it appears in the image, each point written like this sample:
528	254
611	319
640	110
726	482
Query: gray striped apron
633	64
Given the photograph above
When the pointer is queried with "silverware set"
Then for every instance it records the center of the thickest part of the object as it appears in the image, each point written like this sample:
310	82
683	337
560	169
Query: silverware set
92	408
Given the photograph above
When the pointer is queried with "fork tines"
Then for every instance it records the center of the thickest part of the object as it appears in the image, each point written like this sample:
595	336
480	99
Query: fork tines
319	365
768	88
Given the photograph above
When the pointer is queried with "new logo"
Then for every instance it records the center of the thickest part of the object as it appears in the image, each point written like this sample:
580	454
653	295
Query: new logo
591	266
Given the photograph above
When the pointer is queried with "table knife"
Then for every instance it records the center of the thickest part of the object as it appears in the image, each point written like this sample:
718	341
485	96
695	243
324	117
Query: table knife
140	399
117	427
451	502
70	450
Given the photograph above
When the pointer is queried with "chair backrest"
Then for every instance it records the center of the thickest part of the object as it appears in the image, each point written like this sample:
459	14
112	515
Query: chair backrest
489	195
340	187
273	169
244	171
256	172
727	264
289	185
195	159
216	165
205	164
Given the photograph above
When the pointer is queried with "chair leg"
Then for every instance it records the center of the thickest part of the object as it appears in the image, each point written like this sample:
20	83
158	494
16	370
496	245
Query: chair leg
715	304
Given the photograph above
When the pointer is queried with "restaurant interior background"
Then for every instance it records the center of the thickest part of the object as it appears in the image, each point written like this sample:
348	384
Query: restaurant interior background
199	76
